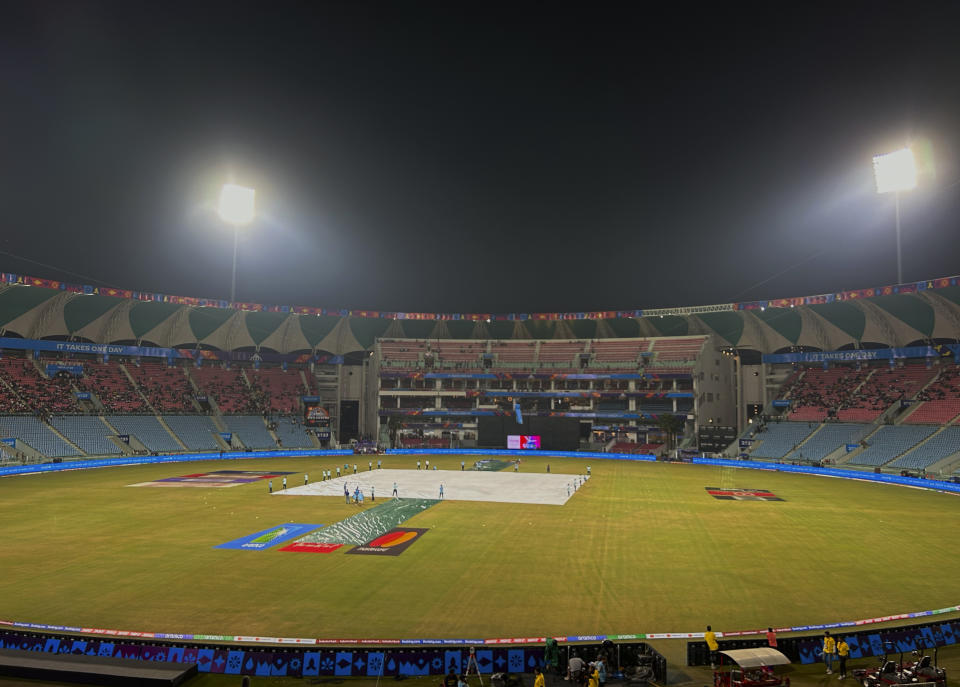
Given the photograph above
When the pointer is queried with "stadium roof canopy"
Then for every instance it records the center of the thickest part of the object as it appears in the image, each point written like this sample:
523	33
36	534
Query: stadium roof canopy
888	316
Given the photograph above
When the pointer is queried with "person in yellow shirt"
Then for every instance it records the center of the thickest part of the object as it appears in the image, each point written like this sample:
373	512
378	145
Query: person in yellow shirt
843	650
710	637
829	651
538	681
594	676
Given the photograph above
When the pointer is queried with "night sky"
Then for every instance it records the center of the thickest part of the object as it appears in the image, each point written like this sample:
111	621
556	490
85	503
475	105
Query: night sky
477	156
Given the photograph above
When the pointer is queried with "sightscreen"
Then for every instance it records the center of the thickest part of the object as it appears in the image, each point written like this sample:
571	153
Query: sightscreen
556	433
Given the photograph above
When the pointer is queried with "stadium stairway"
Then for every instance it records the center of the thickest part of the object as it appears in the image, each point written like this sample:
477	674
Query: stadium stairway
66	440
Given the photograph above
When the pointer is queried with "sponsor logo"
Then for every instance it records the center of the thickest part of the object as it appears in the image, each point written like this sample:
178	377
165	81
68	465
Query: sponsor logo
258	541
218	478
393	543
743	494
311	547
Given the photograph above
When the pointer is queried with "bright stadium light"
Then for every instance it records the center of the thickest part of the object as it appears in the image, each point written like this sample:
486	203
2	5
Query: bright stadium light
896	172
237	204
237	207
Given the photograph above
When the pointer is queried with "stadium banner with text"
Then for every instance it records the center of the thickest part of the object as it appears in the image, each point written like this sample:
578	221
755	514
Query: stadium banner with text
861	354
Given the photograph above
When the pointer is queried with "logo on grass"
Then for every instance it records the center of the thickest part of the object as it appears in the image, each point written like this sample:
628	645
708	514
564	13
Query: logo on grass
218	478
311	547
258	541
743	494
393	543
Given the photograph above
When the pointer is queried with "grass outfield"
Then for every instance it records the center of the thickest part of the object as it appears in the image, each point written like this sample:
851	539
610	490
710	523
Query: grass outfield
641	548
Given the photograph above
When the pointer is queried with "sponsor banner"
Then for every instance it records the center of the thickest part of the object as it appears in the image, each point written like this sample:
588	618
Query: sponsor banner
83	395
691	310
311	547
746	443
781	403
53	369
393	543
258	541
842	356
852	447
743	494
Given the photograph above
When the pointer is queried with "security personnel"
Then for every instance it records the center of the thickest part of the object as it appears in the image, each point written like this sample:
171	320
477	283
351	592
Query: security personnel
843	650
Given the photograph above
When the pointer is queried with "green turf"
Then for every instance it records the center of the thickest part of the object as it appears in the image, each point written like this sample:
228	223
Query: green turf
641	548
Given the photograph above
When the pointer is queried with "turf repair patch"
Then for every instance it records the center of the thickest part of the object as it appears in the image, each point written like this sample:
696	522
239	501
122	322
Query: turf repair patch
258	541
218	478
393	543
744	494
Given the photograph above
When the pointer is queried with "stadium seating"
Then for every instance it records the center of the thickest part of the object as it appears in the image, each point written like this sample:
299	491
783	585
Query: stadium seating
514	351
889	442
197	432
109	383
633	447
40	395
167	388
282	389
148	430
466	352
883	388
10	400
562	352
292	434
814	393
251	430
37	435
779	438
668	350
830	437
940	446
228	388
940	402
405	353
88	432
619	351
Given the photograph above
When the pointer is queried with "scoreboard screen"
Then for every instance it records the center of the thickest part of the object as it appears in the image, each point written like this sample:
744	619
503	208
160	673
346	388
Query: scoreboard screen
523	441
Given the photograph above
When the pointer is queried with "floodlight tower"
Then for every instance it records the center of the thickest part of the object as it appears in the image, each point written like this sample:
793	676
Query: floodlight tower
237	208
895	172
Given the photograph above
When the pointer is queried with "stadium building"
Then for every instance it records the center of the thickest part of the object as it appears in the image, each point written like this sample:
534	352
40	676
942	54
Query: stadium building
863	378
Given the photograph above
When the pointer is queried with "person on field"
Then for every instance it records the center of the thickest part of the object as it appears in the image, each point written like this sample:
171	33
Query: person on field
843	651
829	651
395	490
451	679
594	679
771	638
538	681
270	486
284	482
574	668
441	491
346	492
710	637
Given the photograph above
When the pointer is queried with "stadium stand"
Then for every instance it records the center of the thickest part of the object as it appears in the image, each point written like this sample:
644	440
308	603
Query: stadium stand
251	430
685	349
109	383
292	434
402	353
88	432
167	389
828	439
11	401
814	393
228	388
940	446
889	442
514	353
780	438
37	435
883	388
197	432
940	402
148	430
281	389
561	353
41	395
618	353
459	354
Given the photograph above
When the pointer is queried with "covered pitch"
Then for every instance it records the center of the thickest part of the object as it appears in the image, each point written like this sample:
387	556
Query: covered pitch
458	485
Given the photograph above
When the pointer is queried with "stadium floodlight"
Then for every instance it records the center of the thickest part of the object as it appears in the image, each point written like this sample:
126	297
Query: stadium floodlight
237	207
896	172
237	204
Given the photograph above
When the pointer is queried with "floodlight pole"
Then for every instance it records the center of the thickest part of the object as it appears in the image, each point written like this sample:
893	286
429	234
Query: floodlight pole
896	201
236	244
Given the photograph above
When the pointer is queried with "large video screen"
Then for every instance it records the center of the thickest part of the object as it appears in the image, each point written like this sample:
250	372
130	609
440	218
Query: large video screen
556	433
315	415
523	441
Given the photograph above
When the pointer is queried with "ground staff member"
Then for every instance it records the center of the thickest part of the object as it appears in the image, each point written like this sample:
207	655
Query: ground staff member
829	651
843	650
710	638
538	681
